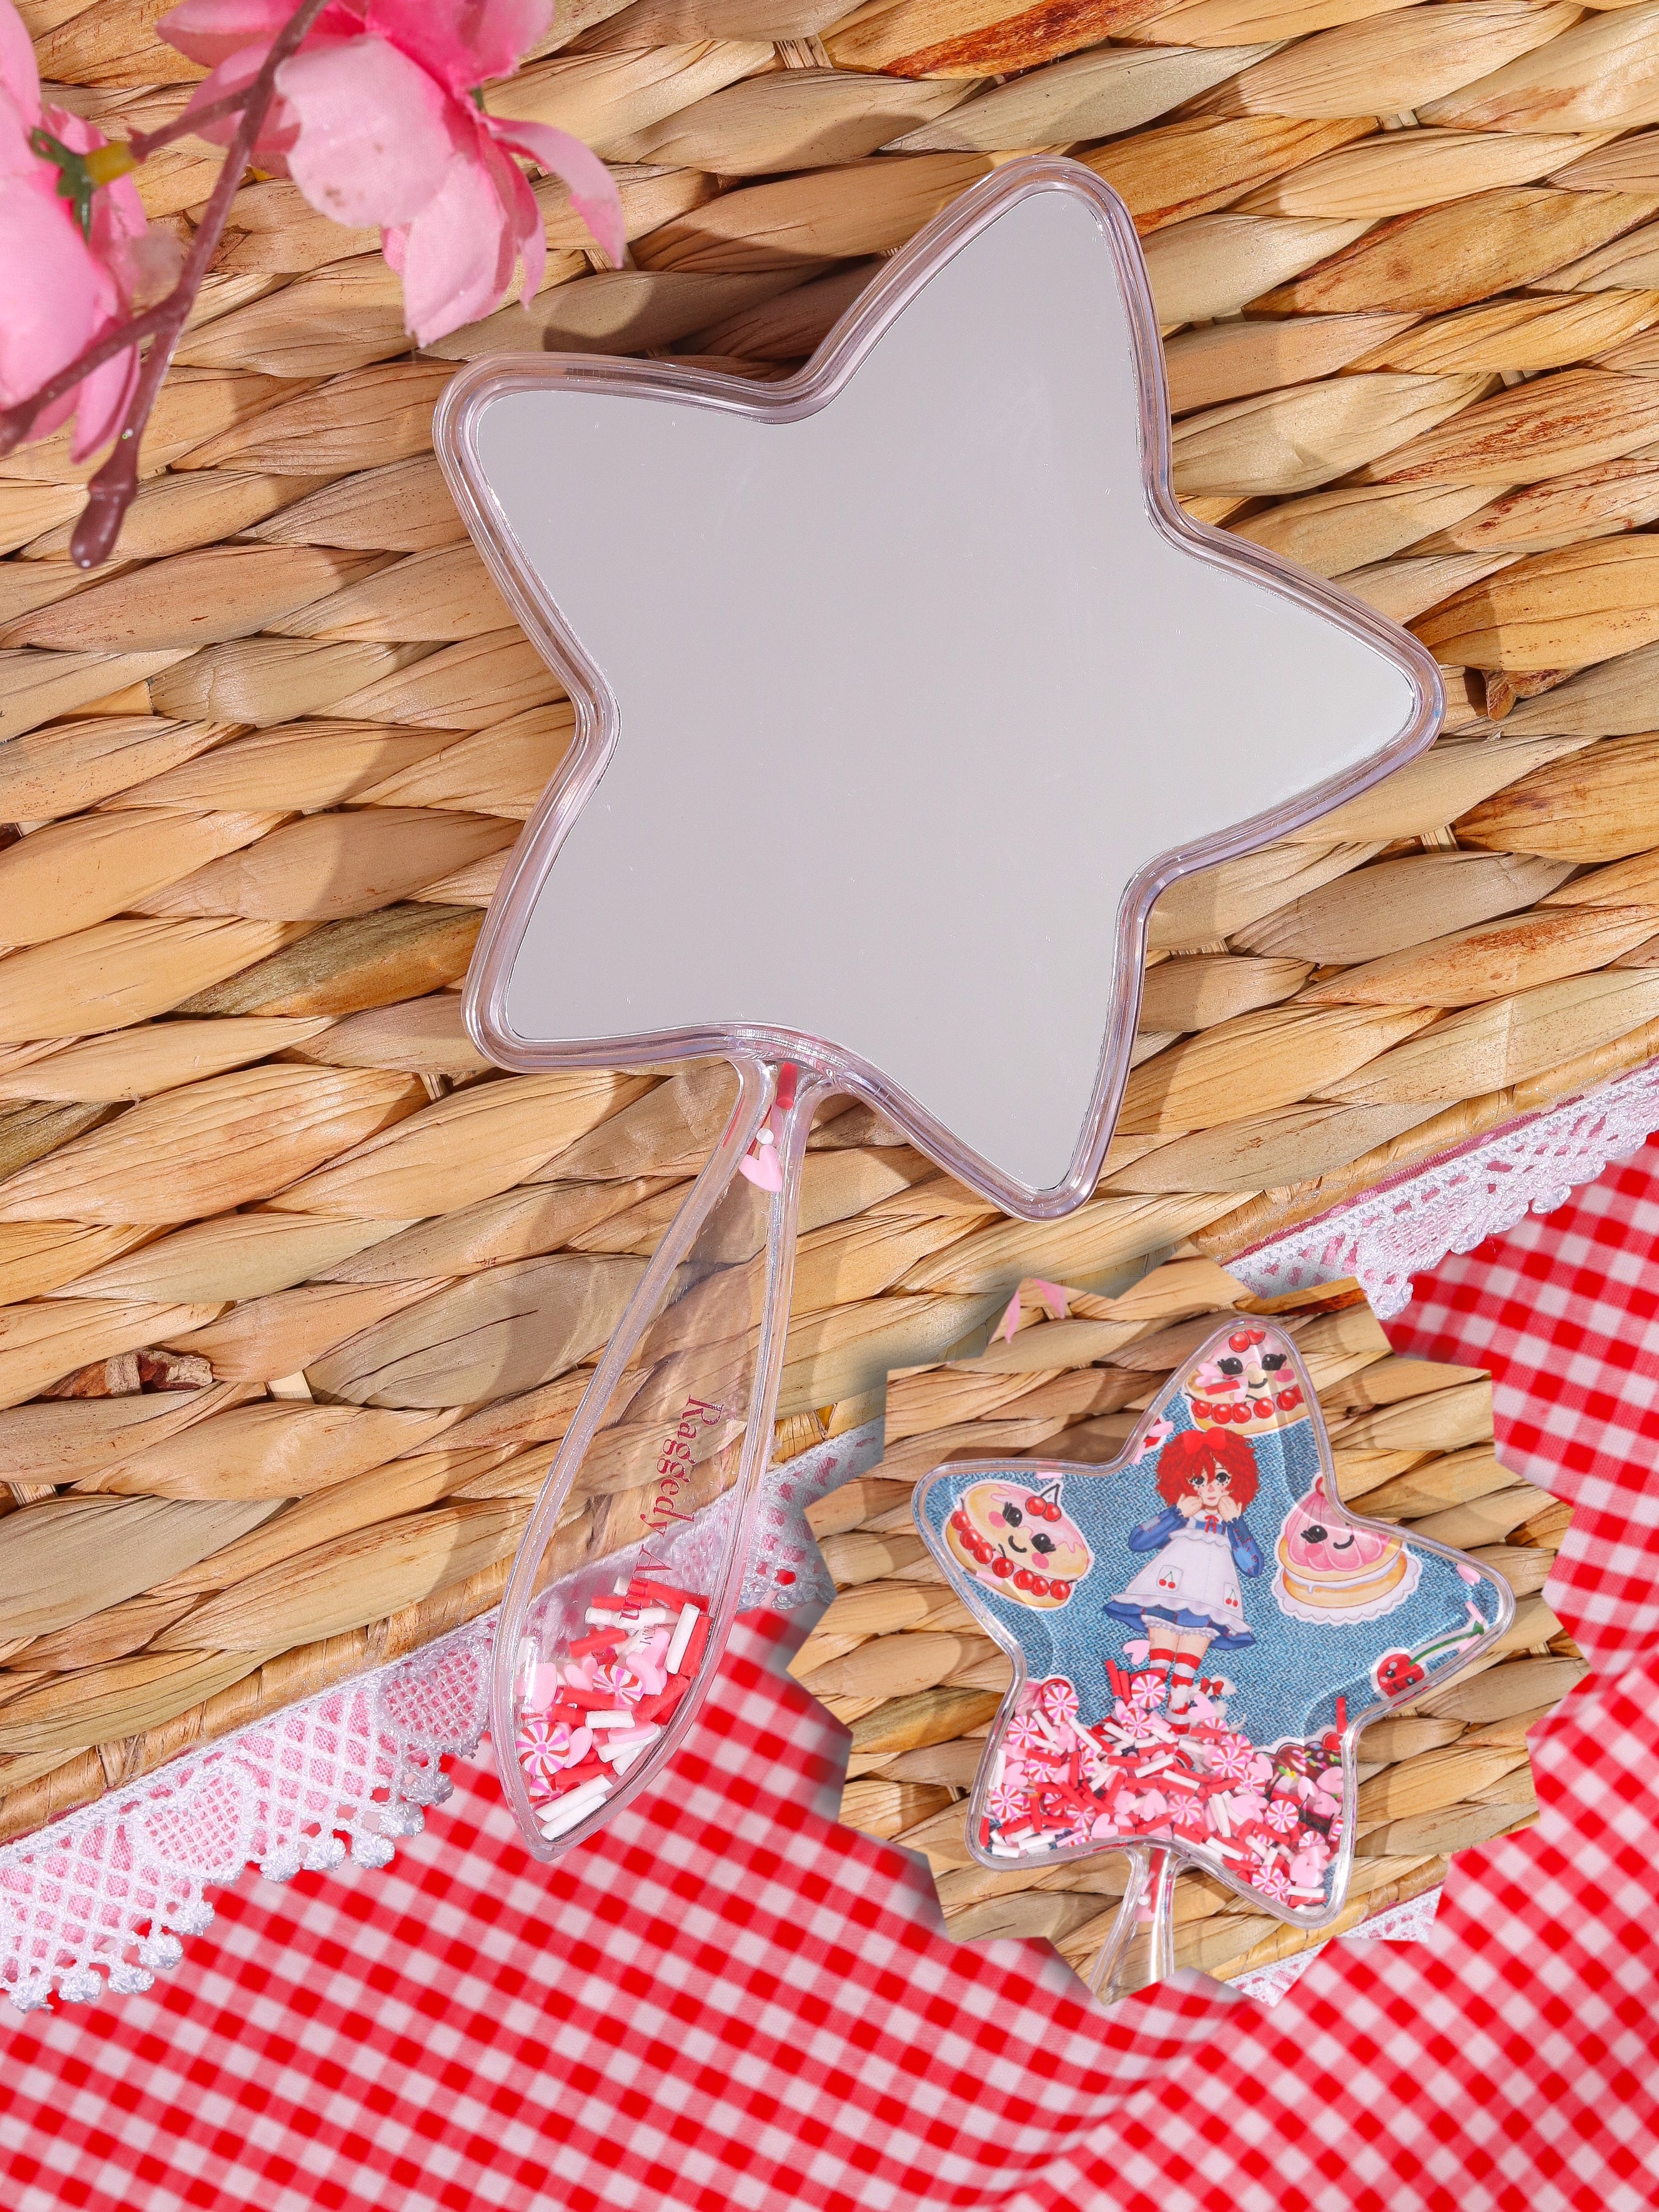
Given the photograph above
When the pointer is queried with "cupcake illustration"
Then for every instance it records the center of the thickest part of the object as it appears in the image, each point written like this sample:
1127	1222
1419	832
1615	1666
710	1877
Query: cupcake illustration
1330	1569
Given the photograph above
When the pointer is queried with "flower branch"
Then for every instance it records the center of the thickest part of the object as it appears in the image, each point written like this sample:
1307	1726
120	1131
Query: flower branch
114	487
373	108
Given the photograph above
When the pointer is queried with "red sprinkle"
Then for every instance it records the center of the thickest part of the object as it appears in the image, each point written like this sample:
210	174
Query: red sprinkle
694	1651
572	1775
660	1707
602	1639
664	1594
594	1701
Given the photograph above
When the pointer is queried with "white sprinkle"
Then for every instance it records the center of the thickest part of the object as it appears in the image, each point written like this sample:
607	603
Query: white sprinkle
620	1586
622	1760
620	1718
681	1637
624	1741
569	1811
1220	1808
653	1617
599	1616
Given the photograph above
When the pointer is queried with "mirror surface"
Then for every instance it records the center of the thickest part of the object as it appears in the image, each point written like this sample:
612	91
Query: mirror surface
909	692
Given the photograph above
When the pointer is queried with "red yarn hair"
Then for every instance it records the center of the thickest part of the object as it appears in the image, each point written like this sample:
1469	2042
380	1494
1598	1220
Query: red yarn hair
1192	1452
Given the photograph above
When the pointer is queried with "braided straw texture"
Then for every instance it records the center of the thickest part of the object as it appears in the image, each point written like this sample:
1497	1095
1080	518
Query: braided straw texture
297	1292
903	1662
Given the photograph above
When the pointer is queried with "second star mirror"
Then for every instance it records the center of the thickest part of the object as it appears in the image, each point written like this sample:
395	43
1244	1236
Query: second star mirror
903	687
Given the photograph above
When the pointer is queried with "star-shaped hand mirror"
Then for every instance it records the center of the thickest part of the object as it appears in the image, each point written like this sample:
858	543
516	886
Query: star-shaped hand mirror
1199	1632
902	688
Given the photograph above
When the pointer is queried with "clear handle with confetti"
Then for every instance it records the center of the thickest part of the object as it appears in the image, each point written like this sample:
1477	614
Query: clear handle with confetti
614	1619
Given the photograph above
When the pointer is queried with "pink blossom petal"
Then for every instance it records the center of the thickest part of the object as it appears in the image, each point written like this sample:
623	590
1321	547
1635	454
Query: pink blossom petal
529	233
462	42
55	290
232	74
451	253
17	157
592	188
211	31
146	268
374	140
20	79
117	211
101	402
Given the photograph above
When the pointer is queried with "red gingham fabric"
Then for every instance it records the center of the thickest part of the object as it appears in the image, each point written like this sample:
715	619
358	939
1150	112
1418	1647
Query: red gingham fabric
729	2001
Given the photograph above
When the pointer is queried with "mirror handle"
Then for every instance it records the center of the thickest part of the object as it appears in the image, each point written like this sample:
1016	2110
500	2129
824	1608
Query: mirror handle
630	1570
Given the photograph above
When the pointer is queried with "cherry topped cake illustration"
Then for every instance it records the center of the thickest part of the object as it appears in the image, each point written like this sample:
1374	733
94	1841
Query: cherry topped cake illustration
1245	1382
1014	1536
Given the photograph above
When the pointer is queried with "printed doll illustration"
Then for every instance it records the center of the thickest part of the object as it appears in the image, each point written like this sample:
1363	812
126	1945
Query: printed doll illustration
1122	1731
1014	1537
1188	1594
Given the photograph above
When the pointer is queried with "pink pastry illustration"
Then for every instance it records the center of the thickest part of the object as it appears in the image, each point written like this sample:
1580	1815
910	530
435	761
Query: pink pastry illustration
1330	1569
1013	1537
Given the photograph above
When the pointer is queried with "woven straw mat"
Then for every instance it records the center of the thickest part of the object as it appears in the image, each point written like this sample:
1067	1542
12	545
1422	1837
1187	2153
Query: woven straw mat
298	1291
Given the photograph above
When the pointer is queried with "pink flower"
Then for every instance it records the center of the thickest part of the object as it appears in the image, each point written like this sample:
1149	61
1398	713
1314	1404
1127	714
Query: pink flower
375	123
1272	1881
62	289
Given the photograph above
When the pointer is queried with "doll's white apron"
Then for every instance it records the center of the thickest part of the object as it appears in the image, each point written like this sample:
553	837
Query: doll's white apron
1194	1574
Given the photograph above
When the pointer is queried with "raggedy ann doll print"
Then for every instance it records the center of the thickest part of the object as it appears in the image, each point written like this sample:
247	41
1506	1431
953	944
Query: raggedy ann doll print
1200	1631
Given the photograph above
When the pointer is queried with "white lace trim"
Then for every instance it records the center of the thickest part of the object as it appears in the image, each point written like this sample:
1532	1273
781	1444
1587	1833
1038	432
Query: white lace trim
1407	1226
107	1892
1398	1923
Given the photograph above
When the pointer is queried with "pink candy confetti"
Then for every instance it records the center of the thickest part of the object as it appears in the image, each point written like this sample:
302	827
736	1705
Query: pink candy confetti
594	1703
1060	1784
